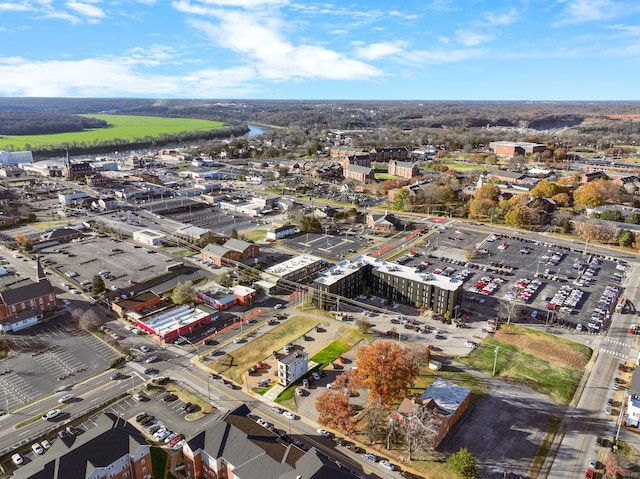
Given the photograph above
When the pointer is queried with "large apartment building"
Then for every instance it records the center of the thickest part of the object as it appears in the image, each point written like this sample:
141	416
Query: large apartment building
397	283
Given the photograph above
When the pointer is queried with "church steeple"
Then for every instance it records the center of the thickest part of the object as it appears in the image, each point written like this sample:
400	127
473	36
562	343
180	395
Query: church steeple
40	275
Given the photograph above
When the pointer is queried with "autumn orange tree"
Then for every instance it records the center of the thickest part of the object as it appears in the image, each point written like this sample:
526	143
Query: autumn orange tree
333	406
386	369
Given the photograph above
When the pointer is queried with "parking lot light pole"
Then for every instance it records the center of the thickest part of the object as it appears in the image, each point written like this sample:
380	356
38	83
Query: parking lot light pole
495	360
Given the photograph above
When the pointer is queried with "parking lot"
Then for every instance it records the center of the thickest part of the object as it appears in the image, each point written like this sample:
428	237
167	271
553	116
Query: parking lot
326	246
220	221
121	262
48	355
550	284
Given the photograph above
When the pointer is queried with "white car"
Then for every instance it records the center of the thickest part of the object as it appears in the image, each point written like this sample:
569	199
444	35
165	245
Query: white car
51	414
316	376
387	465
289	415
17	459
46	444
237	340
324	432
279	306
65	398
37	448
471	344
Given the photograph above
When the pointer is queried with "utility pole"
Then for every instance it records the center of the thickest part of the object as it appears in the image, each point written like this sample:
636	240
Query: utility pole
495	359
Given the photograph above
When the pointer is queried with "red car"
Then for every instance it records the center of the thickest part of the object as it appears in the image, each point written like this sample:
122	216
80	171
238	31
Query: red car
589	474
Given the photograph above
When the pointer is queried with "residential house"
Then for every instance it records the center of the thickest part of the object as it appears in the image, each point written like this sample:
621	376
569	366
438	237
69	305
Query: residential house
292	367
592	176
437	409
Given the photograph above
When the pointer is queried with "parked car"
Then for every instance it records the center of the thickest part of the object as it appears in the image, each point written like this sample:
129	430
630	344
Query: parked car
17	459
387	465
37	448
371	457
324	432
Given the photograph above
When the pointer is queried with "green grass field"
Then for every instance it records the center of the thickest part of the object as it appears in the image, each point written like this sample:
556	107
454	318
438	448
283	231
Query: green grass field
123	127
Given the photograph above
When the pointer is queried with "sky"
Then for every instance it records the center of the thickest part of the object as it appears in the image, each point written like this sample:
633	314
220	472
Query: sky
538	50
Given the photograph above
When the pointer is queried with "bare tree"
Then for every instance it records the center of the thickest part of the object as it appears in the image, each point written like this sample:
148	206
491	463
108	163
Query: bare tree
374	428
508	309
86	319
417	429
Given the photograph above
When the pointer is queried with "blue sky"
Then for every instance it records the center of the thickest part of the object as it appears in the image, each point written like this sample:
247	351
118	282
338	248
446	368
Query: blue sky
352	49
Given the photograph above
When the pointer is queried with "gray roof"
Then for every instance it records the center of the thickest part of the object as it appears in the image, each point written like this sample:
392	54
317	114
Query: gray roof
236	244
26	292
214	249
255	451
360	169
77	456
447	395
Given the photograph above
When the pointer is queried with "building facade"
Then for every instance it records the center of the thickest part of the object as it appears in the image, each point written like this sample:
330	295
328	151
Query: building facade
361	174
404	169
280	232
292	367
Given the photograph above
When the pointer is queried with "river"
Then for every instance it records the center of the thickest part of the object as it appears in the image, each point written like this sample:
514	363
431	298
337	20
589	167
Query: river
254	130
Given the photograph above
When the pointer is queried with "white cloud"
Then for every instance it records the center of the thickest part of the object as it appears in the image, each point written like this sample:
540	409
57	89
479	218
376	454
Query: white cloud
86	9
115	76
498	19
376	51
470	38
258	38
15	7
580	11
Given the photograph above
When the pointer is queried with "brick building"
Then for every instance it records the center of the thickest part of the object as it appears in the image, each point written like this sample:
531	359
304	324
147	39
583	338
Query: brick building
404	169
361	174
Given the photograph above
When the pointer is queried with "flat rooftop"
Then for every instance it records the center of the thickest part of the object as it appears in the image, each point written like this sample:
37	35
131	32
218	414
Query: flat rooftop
407	272
293	264
175	318
340	270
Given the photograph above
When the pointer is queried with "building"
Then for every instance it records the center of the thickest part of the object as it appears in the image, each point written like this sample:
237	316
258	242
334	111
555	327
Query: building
382	222
217	254
508	176
280	232
389	153
347	279
439	408
61	235
73	170
71	198
23	306
233	250
137	304
149	237
245	295
511	149
243	249
194	233
394	282
182	321
361	174
113	449
404	169
15	158
341	153
592	176
292	367
237	447
296	269
357	160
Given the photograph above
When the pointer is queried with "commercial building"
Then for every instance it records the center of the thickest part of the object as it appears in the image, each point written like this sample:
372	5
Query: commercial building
397	283
113	449
232	250
137	305
149	237
280	232
382	222
181	321
292	367
222	298
238	447
15	158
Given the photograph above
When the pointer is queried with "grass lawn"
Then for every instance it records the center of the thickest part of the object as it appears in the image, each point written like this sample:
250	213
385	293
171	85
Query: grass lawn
260	348
43	225
546	363
124	127
158	461
254	235
466	166
387	176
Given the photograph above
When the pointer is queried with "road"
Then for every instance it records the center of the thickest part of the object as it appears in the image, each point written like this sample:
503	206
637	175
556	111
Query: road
588	420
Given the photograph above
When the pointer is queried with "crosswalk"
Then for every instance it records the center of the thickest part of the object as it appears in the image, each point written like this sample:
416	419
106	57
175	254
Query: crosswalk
617	342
